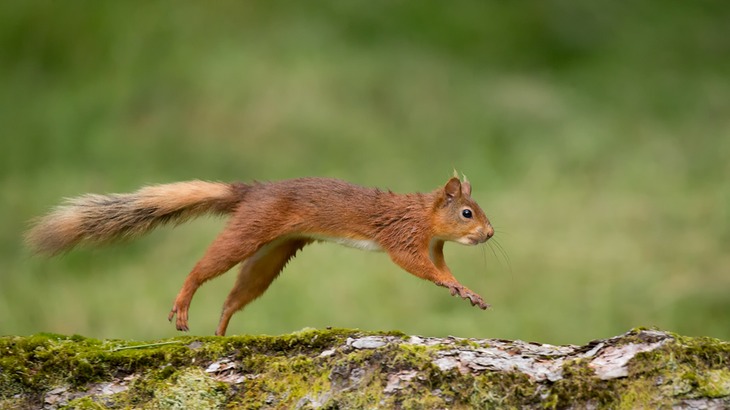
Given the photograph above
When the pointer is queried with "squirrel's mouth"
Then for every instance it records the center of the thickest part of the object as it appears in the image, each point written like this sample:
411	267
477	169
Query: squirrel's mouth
474	239
480	239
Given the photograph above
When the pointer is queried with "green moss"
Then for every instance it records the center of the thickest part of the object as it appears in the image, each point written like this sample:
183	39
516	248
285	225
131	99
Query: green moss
715	383
284	381
190	389
579	385
641	393
489	390
687	367
43	361
15	403
84	403
407	356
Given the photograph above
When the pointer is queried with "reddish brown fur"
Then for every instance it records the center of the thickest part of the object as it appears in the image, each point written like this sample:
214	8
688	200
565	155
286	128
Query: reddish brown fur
270	222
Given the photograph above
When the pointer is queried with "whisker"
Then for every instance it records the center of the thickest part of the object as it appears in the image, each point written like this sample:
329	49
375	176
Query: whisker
505	255
503	252
484	257
489	245
500	248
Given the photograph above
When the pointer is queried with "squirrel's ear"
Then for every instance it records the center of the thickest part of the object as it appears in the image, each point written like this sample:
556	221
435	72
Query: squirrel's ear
466	188
452	189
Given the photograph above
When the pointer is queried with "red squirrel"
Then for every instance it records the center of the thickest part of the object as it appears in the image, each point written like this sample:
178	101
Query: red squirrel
270	222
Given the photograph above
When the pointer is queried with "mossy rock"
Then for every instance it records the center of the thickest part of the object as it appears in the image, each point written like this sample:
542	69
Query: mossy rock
353	369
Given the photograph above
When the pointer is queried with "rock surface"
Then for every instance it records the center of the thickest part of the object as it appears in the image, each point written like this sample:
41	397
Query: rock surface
352	369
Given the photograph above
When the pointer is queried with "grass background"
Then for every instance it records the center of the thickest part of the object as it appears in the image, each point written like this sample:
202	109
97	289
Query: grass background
597	137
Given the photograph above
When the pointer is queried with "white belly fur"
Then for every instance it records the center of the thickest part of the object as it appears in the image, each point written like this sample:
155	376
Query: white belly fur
363	244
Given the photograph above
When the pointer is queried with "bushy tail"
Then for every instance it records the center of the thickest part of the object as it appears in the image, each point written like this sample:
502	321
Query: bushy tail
95	218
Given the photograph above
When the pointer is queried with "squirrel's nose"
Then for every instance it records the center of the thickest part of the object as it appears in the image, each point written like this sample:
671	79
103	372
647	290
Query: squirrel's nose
489	231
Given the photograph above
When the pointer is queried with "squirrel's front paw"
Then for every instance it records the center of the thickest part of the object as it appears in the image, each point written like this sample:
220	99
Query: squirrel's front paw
182	317
465	293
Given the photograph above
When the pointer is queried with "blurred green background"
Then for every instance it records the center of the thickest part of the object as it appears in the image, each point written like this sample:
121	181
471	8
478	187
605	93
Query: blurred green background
596	135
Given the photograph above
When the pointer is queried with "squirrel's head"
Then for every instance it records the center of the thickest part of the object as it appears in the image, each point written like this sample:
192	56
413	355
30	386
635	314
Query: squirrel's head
458	217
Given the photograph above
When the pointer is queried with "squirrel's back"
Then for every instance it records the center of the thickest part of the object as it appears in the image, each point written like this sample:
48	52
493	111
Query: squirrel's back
332	206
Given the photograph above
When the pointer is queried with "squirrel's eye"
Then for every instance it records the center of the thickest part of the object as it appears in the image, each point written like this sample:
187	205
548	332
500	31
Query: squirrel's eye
466	213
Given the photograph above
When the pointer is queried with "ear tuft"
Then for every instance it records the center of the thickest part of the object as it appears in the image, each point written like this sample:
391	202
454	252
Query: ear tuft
452	189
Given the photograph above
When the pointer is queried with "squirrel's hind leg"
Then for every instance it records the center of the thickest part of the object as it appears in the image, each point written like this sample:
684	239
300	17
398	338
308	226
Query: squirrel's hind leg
228	249
256	274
